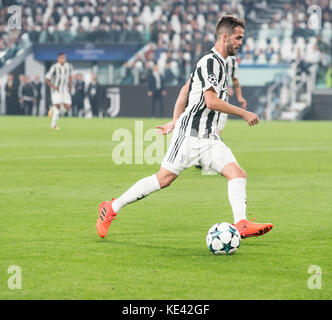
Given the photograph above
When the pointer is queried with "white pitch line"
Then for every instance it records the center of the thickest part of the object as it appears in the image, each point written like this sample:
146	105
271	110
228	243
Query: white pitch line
73	144
77	156
110	144
73	156
287	149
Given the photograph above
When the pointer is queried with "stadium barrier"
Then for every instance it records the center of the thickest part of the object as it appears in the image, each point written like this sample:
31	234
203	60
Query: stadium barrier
321	107
133	101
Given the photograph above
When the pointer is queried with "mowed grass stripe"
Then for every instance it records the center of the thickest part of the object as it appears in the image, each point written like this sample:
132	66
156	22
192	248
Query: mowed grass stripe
156	247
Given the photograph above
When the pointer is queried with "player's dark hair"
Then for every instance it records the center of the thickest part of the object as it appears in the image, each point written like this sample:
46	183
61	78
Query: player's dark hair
227	24
60	54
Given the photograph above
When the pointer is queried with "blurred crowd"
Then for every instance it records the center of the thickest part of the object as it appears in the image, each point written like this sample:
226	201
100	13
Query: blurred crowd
187	28
176	31
23	95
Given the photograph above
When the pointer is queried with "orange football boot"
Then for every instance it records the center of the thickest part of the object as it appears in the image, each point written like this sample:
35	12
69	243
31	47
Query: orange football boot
251	229
106	216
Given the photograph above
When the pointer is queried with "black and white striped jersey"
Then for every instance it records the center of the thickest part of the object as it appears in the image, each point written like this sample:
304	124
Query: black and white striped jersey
233	67
197	120
59	75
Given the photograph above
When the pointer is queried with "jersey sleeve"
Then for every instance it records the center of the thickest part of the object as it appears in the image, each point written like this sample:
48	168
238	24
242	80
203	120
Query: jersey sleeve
50	73
208	71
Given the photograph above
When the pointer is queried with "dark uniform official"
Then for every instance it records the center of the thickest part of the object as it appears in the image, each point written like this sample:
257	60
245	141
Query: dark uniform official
38	86
93	95
28	96
12	103
79	95
156	91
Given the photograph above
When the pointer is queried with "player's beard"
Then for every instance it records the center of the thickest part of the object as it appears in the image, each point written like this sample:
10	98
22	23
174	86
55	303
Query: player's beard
230	49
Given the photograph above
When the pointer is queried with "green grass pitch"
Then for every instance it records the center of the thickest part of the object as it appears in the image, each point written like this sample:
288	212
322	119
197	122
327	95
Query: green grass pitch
51	184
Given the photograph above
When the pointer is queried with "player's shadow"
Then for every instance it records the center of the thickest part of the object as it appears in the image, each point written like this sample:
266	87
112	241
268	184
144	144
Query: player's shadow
175	251
167	250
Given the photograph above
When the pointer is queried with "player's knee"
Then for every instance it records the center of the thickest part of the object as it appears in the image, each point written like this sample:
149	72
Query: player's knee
233	171
238	173
165	180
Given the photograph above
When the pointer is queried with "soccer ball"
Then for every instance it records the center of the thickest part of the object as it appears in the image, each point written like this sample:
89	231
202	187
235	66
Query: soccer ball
223	238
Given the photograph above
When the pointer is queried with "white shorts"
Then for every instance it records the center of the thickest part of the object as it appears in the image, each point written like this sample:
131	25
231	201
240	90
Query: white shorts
185	152
59	97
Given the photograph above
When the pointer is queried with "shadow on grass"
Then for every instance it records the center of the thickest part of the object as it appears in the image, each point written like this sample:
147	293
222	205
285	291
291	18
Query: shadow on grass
180	251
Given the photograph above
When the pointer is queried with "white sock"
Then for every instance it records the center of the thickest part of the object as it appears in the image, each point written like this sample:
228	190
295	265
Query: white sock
138	191
55	117
237	198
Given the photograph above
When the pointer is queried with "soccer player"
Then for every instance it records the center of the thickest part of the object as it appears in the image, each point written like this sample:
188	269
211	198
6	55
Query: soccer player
194	123
232	67
59	80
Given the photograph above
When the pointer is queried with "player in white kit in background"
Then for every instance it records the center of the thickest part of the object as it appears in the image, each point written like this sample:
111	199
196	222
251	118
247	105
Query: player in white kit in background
59	79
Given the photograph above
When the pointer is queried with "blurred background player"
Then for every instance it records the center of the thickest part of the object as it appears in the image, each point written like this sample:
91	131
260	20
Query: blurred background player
59	80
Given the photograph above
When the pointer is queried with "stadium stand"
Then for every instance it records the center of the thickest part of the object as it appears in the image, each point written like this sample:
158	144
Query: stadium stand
173	33
178	30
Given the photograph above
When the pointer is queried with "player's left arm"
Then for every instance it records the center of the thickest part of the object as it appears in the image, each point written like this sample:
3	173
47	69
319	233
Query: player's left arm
238	92
179	107
213	102
70	83
70	79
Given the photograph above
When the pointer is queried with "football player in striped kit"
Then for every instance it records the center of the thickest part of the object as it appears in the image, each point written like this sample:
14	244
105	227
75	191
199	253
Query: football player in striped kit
195	118
59	79
232	69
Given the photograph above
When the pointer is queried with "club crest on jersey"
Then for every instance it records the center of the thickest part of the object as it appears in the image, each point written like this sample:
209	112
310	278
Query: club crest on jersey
212	79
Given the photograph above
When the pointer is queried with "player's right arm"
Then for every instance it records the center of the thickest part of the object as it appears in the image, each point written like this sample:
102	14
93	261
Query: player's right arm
214	103
179	107
50	84
238	91
48	78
